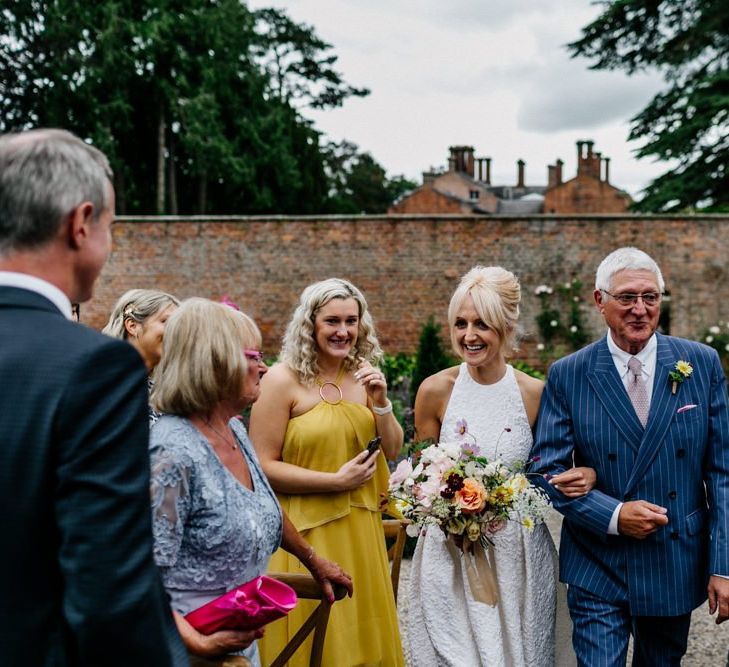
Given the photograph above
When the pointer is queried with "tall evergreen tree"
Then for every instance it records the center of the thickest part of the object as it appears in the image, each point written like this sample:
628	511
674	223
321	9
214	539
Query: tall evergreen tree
179	95
687	40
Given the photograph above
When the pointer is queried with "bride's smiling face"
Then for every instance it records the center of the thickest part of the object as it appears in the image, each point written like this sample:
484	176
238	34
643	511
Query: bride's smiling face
477	343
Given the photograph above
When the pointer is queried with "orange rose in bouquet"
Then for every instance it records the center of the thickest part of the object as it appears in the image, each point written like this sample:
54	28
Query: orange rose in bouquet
471	498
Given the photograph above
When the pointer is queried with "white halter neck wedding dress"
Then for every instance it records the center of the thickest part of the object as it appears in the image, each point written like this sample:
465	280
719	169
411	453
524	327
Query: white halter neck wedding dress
529	625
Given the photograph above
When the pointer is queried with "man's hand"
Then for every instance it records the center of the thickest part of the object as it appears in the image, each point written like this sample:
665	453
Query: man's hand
719	597
639	518
574	482
327	572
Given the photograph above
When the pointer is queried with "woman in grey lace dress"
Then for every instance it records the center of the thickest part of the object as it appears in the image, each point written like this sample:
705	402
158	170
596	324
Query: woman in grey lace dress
216	520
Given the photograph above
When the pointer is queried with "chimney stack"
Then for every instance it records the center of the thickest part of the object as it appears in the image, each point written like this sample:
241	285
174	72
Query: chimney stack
520	173
488	170
607	169
551	175
559	164
462	157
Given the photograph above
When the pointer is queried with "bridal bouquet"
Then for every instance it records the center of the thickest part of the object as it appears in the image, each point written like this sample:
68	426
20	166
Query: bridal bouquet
451	485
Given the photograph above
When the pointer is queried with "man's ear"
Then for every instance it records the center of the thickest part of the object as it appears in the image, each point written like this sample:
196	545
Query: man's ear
598	296
79	222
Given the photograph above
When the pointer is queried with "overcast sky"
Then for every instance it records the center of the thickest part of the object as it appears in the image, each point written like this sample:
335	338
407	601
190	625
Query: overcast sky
493	74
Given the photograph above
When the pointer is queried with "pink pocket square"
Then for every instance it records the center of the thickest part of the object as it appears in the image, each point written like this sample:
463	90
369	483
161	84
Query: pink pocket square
684	408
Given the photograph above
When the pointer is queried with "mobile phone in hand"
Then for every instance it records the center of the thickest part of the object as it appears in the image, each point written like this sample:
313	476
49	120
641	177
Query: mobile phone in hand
372	446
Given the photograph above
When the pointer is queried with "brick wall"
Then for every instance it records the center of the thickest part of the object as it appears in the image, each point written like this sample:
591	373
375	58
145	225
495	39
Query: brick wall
408	266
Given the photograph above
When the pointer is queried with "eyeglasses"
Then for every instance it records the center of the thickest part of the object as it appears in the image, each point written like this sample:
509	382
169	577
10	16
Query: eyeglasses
254	355
627	299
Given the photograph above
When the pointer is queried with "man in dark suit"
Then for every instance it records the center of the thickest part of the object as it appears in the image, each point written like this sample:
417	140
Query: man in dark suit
78	585
649	413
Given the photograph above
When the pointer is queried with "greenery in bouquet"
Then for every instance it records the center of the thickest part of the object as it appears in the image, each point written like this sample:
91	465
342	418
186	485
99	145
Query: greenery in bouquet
453	486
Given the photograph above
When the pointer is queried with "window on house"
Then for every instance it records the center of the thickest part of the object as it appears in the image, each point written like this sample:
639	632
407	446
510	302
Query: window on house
473	194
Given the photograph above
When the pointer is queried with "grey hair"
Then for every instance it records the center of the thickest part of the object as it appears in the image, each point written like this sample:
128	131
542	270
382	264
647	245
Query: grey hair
626	259
137	305
299	351
44	175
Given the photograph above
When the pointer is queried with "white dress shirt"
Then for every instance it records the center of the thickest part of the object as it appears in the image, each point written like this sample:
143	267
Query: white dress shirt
39	286
647	357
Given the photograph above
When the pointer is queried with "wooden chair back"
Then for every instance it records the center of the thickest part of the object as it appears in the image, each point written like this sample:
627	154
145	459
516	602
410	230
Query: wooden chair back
395	530
308	589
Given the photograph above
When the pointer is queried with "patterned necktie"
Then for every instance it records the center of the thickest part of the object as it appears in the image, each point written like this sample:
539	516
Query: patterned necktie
637	391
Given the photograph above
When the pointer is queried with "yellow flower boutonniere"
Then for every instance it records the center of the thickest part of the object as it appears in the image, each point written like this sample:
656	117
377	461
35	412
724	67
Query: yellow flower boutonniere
682	370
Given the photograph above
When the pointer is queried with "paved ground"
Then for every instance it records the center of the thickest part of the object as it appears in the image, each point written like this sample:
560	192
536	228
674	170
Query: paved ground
707	646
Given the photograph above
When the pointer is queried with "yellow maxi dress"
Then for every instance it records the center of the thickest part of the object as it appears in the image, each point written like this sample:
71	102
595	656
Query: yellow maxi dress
344	527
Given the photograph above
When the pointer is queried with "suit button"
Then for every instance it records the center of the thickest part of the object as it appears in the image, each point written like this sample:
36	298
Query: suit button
680	453
674	535
612	457
672	495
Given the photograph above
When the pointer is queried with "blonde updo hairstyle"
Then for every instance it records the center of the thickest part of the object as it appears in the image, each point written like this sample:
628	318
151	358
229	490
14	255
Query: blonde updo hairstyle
496	295
136	305
299	351
203	362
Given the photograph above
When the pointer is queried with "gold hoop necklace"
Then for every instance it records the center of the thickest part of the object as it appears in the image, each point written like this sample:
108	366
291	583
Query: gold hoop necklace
334	383
227	441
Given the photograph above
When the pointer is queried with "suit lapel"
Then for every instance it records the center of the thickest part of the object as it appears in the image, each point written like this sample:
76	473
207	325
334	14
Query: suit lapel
662	409
604	378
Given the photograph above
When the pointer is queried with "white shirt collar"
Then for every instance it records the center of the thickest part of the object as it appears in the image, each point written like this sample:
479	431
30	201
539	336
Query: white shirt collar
39	286
647	356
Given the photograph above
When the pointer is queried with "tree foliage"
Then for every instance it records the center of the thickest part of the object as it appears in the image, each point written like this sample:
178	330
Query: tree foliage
357	182
688	41
196	102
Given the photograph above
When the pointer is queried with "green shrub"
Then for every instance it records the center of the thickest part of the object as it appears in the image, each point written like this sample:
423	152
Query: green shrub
717	336
431	356
524	367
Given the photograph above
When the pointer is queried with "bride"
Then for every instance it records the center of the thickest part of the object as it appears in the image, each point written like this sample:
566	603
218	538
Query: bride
529	624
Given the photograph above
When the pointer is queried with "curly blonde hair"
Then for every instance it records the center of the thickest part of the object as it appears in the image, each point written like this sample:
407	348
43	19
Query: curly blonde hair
299	350
496	295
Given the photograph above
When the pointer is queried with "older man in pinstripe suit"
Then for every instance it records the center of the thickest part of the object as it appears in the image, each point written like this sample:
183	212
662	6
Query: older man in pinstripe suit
640	551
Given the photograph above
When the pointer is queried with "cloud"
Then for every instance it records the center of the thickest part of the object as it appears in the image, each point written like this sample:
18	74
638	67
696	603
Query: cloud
573	97
494	74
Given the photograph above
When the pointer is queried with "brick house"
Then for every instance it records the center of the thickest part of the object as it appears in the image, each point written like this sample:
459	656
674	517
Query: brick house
465	188
589	191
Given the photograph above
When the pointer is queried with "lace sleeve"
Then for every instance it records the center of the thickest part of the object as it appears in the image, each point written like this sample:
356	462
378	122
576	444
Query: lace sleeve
170	495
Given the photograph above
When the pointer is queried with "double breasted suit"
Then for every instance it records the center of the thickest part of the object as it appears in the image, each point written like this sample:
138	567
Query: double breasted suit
680	461
78	585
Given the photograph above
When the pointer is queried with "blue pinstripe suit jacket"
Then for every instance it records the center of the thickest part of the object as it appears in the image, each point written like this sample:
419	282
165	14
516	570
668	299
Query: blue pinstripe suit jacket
679	461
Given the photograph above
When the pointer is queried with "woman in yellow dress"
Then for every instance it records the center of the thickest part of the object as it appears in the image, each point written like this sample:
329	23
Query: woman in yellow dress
318	409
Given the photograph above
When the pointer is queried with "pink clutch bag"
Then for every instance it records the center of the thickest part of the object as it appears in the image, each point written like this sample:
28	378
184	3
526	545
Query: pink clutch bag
247	607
